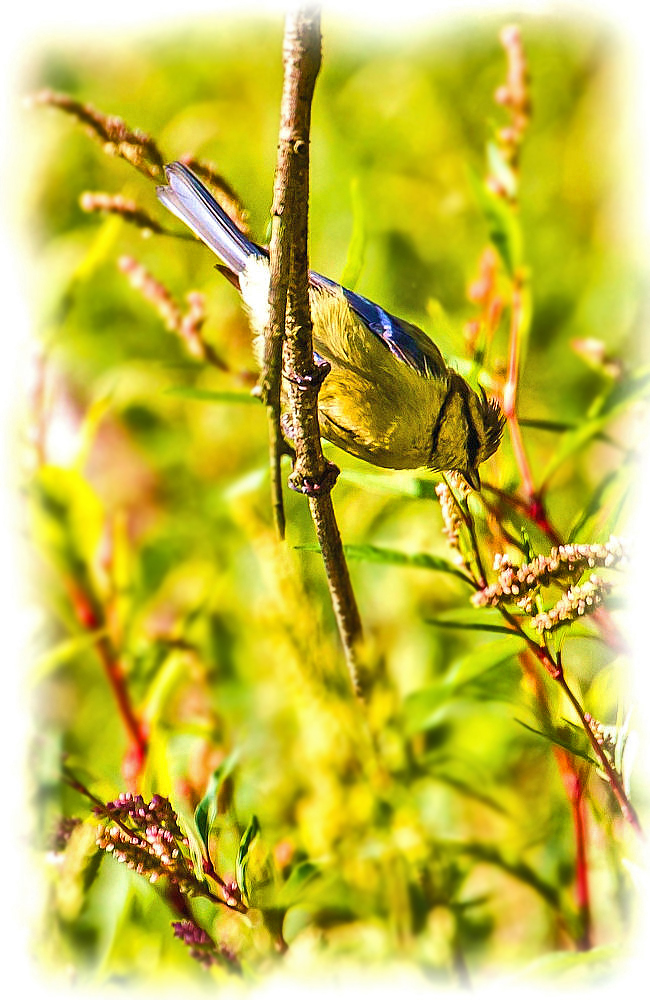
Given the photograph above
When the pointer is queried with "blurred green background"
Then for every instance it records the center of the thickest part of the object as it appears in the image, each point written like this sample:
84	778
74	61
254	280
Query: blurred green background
450	844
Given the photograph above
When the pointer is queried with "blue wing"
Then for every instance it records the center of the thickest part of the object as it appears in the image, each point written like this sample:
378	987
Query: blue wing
404	340
188	198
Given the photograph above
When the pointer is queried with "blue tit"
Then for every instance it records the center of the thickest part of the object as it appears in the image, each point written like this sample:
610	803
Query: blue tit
389	398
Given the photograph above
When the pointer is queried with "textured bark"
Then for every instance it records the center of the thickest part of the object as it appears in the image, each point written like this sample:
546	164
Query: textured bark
289	337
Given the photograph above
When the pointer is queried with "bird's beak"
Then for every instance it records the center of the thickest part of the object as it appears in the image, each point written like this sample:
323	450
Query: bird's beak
472	477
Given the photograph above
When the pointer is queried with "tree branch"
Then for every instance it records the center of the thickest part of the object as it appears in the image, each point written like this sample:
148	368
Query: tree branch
289	310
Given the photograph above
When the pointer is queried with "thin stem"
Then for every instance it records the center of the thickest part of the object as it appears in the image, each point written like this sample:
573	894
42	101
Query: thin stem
478	579
557	673
626	806
534	505
582	871
276	449
90	617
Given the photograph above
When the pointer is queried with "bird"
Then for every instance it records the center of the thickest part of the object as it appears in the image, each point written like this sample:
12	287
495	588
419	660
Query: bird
389	397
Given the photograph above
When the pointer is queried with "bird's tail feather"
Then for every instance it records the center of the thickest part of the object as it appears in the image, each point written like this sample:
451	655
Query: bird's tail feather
192	203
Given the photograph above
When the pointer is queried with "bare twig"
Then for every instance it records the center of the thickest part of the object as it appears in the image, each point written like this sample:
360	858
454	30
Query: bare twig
289	309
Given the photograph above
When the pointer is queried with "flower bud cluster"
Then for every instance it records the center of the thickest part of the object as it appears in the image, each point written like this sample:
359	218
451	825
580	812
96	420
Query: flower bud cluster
606	736
451	515
577	601
62	833
188	325
152	290
147	838
513	582
117	204
202	948
514	95
115	136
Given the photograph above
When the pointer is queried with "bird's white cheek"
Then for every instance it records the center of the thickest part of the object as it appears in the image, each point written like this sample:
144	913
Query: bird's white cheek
254	285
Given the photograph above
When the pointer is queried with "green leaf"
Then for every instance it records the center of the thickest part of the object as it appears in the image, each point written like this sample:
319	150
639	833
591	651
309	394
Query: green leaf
293	889
423	709
243	859
635	386
470	626
561	426
618	400
78	870
480	661
399	485
561	741
67	517
474	619
206	811
503	224
166	682
464	787
518	869
501	169
256	872
101	249
598	499
212	395
62	652
357	246
393	557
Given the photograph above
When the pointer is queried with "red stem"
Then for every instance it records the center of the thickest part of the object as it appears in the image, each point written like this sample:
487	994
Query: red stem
582	872
90	617
573	778
134	727
534	504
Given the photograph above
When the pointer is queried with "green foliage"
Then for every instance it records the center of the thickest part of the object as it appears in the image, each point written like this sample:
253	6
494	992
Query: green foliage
503	225
391	557
430	824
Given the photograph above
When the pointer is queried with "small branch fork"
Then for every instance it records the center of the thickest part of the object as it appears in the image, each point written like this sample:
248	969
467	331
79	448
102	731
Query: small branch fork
289	316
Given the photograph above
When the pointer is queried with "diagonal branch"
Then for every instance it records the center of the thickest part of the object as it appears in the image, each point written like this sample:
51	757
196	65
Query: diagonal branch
313	475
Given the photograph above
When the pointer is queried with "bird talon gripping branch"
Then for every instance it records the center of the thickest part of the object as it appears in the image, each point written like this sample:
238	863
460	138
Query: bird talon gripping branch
314	379
315	487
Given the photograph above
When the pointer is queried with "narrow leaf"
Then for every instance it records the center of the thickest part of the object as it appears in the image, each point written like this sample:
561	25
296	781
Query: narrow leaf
357	246
211	395
564	743
301	876
577	967
518	869
249	835
596	501
503	225
394	485
206	811
393	557
562	426
470	626
617	402
62	652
